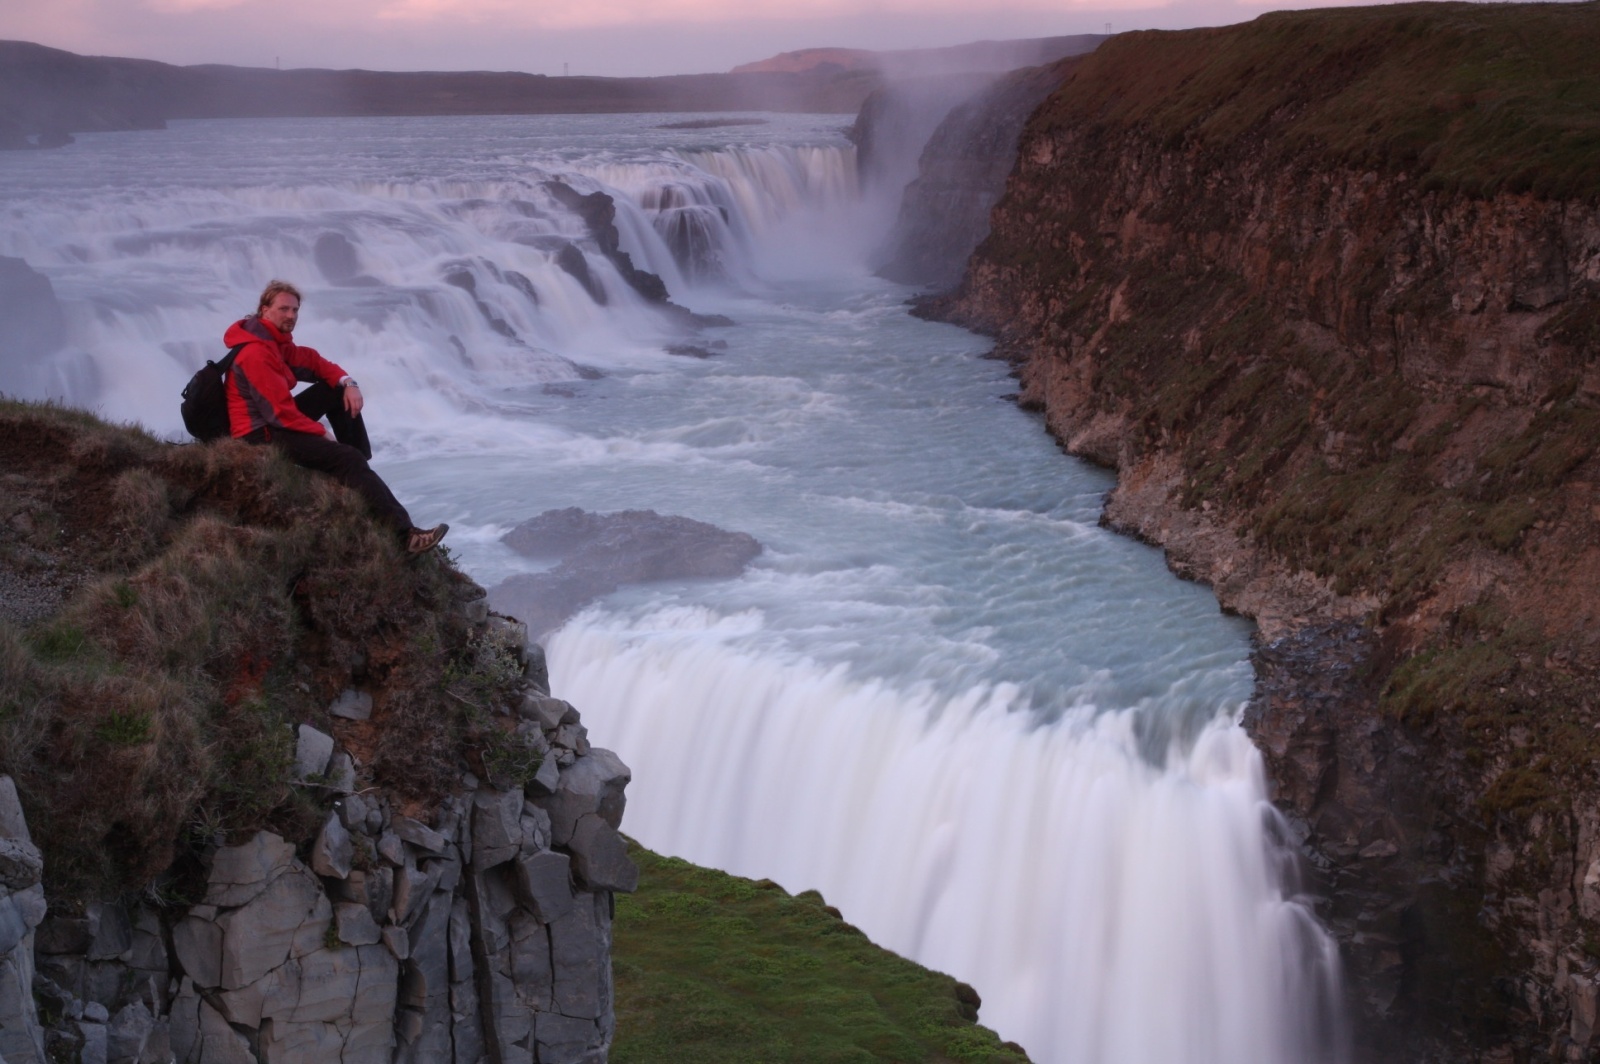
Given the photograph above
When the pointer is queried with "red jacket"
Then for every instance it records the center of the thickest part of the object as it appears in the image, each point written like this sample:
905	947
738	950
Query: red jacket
263	377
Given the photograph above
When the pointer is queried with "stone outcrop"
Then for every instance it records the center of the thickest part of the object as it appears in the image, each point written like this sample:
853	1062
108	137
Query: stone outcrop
22	909
1353	386
601	552
475	932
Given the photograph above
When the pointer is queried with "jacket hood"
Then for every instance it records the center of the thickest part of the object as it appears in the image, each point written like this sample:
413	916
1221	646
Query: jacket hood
250	330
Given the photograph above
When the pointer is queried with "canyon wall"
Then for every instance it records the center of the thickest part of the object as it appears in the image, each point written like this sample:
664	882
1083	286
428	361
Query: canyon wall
1324	289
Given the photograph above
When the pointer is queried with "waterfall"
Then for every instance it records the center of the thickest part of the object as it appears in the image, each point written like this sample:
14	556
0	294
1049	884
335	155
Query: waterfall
999	738
451	293
1078	884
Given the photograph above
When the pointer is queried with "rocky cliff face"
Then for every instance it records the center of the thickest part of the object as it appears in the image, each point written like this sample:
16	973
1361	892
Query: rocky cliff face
474	931
294	797
1295	282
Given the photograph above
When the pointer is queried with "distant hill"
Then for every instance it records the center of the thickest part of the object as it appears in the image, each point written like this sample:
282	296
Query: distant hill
979	56
812	58
46	92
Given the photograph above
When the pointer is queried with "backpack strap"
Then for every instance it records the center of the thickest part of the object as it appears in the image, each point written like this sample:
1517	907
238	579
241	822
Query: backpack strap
225	364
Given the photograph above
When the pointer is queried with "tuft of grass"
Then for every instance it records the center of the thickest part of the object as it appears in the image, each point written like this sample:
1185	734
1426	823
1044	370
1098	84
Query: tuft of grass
715	969
125	728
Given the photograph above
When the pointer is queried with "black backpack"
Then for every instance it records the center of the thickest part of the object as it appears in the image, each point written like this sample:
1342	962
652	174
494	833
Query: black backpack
205	399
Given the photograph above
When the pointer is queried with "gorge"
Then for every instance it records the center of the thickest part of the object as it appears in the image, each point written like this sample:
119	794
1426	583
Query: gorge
1345	369
1343	375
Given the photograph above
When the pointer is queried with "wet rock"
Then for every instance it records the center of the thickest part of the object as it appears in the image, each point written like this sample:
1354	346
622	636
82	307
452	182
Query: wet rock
602	552
572	262
599	213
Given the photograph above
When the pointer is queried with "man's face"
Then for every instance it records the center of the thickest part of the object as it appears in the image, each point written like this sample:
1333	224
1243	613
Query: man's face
282	312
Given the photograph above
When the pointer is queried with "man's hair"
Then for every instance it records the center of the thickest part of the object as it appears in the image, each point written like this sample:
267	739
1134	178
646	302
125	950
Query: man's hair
275	289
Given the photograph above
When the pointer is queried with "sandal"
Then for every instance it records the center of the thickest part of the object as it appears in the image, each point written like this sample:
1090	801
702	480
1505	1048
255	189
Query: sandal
422	540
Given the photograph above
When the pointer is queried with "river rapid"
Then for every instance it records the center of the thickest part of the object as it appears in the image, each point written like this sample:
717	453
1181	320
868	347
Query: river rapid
1001	739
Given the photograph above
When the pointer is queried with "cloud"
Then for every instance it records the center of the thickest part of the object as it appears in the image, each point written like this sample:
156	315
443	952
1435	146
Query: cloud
183	7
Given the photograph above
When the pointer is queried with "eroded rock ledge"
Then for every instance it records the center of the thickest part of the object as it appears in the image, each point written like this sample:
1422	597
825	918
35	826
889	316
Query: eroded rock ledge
475	931
1347	373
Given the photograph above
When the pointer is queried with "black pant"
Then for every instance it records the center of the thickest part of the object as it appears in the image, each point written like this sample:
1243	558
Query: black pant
324	401
345	461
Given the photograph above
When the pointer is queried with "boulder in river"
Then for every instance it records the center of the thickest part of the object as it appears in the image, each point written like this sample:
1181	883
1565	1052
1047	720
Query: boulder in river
601	552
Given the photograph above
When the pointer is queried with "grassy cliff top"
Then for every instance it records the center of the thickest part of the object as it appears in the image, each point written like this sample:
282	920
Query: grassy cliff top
169	613
1479	98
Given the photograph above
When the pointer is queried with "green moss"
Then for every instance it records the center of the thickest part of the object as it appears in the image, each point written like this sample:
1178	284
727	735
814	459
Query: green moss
60	642
1459	680
1476	98
712	968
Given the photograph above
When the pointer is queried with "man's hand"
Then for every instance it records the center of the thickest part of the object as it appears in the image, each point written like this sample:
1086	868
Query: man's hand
352	399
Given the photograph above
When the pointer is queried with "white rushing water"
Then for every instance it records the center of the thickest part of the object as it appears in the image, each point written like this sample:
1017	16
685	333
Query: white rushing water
1002	740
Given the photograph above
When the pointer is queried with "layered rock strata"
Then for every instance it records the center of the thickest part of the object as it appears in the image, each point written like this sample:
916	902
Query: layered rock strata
1354	386
475	932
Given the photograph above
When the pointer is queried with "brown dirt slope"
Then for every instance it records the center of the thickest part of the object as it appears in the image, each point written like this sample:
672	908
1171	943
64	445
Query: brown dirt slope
1325	289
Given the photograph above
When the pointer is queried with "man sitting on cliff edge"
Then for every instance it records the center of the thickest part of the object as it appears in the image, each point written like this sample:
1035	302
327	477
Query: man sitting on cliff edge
263	409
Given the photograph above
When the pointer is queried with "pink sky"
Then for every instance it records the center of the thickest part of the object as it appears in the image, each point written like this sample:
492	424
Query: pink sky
610	37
